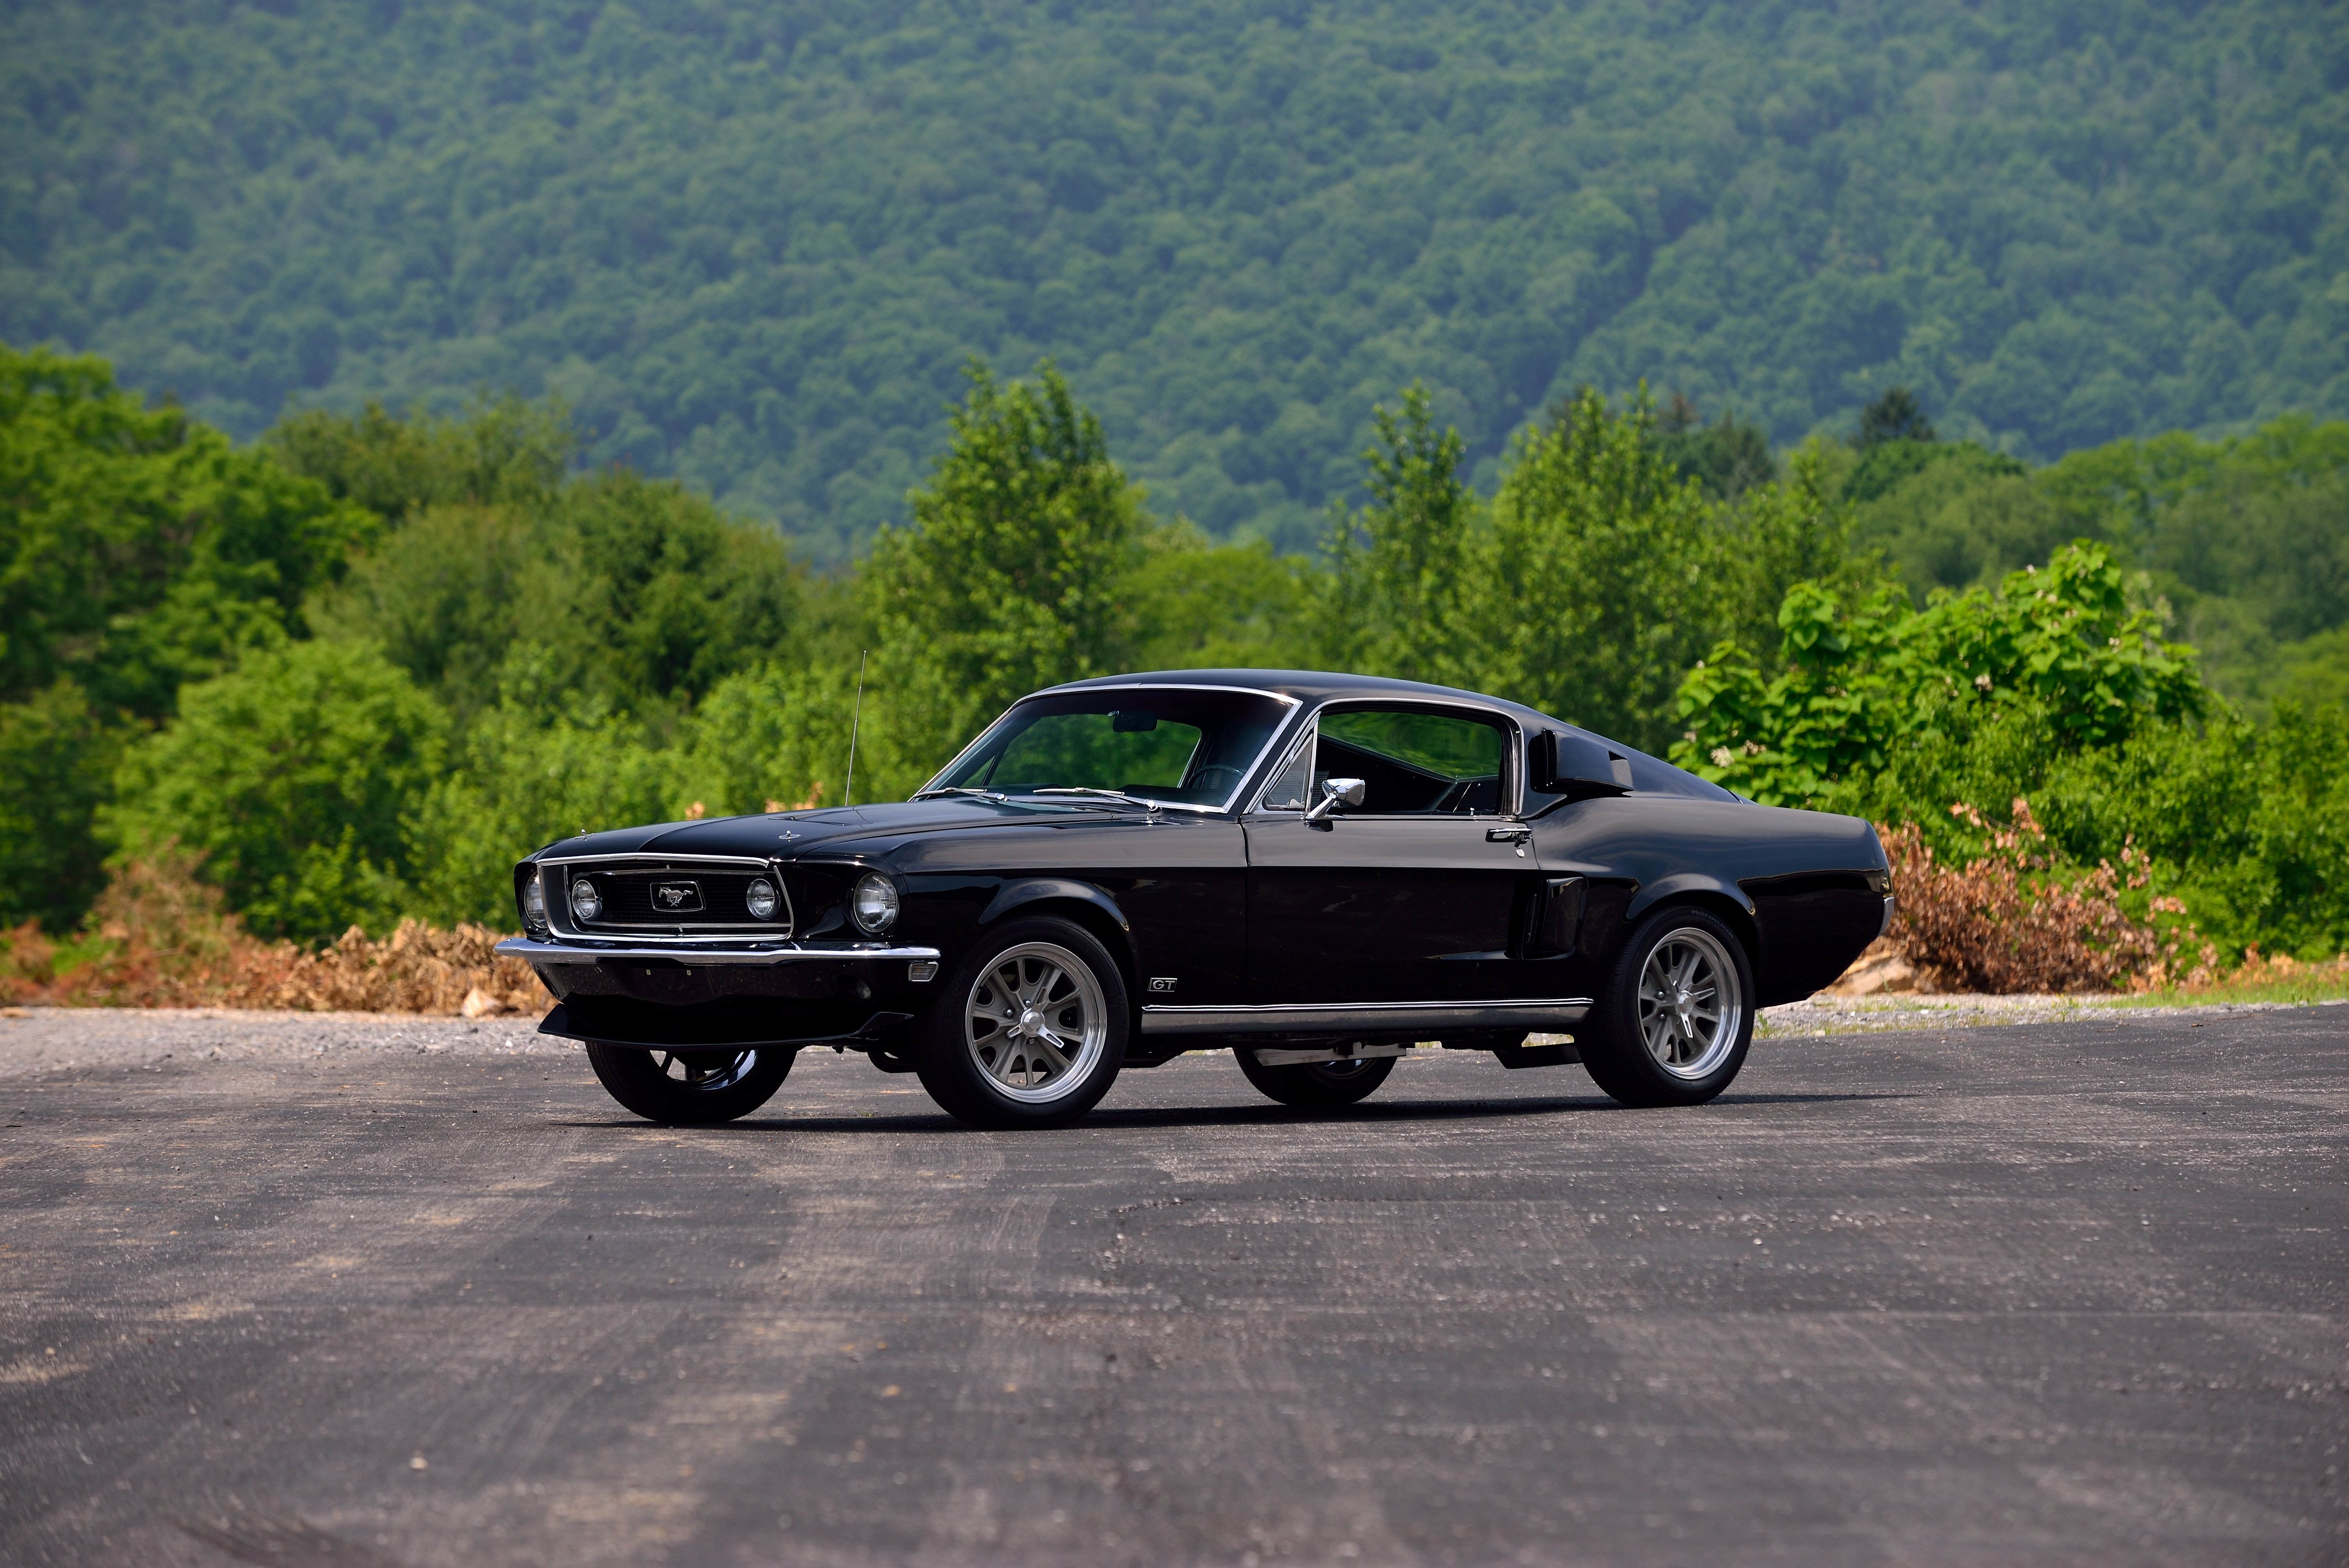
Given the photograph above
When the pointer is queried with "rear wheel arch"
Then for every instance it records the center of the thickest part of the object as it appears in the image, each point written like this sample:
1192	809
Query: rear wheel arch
1731	912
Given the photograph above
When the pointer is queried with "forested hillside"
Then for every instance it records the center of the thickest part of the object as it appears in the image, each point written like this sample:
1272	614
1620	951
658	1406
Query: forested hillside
753	245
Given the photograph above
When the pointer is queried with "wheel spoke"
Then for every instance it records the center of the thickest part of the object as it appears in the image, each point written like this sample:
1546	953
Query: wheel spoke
1035	1022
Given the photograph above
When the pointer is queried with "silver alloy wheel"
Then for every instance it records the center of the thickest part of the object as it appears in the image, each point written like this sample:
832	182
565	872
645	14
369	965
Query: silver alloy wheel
705	1072
1036	1022
1690	1006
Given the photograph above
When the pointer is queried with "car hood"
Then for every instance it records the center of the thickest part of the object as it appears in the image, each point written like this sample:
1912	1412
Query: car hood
854	830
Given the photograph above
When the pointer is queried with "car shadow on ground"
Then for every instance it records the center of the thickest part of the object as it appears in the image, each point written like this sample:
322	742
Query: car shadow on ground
1142	1118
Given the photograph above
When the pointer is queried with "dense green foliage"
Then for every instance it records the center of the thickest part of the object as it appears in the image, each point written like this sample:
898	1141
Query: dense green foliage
2053	689
139	550
1861	682
2244	542
491	650
753	243
290	775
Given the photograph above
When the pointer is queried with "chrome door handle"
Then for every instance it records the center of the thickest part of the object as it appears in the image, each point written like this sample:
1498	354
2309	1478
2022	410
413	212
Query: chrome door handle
1507	835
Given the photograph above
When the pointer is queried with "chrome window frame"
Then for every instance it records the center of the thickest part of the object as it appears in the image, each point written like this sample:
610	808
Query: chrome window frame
1293	703
1513	755
770	930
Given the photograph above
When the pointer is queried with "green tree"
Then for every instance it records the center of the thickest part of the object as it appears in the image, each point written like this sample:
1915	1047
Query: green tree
140	550
1012	575
1894	416
1203	605
56	763
291	777
1728	457
645	594
1603	579
500	452
1402	569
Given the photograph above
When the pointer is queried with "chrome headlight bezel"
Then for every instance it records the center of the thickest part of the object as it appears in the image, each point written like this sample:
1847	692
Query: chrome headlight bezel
762	890
873	902
586	901
534	902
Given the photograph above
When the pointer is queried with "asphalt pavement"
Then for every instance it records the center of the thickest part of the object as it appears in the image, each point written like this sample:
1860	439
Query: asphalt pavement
2059	1294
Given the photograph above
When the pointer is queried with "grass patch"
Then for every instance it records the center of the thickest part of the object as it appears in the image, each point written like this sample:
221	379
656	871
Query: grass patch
2257	979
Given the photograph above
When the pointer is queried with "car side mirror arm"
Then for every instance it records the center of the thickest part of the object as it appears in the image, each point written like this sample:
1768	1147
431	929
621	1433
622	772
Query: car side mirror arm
1336	792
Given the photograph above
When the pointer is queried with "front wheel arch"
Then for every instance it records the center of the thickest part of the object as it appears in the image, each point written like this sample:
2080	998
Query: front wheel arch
1099	917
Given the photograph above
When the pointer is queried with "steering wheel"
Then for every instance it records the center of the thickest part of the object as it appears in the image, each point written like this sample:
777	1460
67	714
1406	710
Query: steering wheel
1216	776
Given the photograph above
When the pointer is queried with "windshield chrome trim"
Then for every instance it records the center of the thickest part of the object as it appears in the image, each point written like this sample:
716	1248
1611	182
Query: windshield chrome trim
1246	773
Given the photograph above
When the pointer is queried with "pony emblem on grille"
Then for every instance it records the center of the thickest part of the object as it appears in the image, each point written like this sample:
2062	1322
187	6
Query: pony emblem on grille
677	897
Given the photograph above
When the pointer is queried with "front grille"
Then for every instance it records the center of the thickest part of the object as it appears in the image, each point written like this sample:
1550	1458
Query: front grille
629	904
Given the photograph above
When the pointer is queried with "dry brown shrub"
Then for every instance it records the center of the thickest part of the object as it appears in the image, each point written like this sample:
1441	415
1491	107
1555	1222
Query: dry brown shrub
2006	923
162	939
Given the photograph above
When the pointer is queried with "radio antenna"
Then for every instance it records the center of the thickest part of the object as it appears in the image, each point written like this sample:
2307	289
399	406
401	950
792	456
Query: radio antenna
848	790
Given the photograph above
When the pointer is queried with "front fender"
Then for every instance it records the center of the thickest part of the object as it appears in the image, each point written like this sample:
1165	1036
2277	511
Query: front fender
1015	895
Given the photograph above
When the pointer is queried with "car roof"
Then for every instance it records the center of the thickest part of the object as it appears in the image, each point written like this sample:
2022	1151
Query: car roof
1310	686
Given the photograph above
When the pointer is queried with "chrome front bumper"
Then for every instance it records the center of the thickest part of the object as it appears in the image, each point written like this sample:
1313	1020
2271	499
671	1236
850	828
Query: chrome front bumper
689	953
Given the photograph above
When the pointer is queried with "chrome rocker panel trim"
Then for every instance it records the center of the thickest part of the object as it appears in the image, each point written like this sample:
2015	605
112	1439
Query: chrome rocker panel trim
1303	1017
581	951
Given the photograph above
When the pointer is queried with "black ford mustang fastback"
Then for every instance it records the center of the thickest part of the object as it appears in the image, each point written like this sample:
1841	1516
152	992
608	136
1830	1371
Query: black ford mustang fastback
1318	871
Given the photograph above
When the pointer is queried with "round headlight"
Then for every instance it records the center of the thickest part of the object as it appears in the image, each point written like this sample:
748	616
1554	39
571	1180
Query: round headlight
761	898
533	901
874	902
585	901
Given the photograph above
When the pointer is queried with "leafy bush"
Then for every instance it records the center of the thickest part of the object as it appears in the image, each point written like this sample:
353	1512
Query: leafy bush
290	777
1862	678
2010	920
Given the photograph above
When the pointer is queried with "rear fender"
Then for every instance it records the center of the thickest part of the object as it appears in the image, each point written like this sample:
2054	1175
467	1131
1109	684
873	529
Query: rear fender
1726	899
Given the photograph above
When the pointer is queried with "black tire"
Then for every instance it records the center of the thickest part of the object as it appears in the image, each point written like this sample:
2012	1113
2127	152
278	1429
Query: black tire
1317	1085
1646	1049
992	1066
689	1088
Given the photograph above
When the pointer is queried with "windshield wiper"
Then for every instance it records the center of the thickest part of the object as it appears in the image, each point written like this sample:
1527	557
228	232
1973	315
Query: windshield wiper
1105	794
995	795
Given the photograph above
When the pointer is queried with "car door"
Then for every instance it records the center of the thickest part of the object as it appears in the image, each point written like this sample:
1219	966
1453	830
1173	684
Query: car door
1410	896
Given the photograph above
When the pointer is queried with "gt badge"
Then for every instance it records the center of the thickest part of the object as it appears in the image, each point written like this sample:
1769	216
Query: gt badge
1161	981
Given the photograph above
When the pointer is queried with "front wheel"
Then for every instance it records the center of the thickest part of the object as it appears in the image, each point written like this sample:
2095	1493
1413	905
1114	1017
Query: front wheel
690	1087
1029	1030
1315	1084
1675	1021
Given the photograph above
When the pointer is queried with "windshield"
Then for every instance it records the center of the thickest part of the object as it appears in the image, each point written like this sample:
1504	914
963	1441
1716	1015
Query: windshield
1180	745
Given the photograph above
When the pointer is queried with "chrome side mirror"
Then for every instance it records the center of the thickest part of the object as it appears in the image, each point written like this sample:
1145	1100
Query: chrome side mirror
1336	792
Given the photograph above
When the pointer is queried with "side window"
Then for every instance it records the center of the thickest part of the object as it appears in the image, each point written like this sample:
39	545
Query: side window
1288	792
1415	761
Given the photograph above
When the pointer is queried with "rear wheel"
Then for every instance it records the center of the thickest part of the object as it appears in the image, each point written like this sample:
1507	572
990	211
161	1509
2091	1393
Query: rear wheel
1675	1021
1029	1030
690	1087
1315	1084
